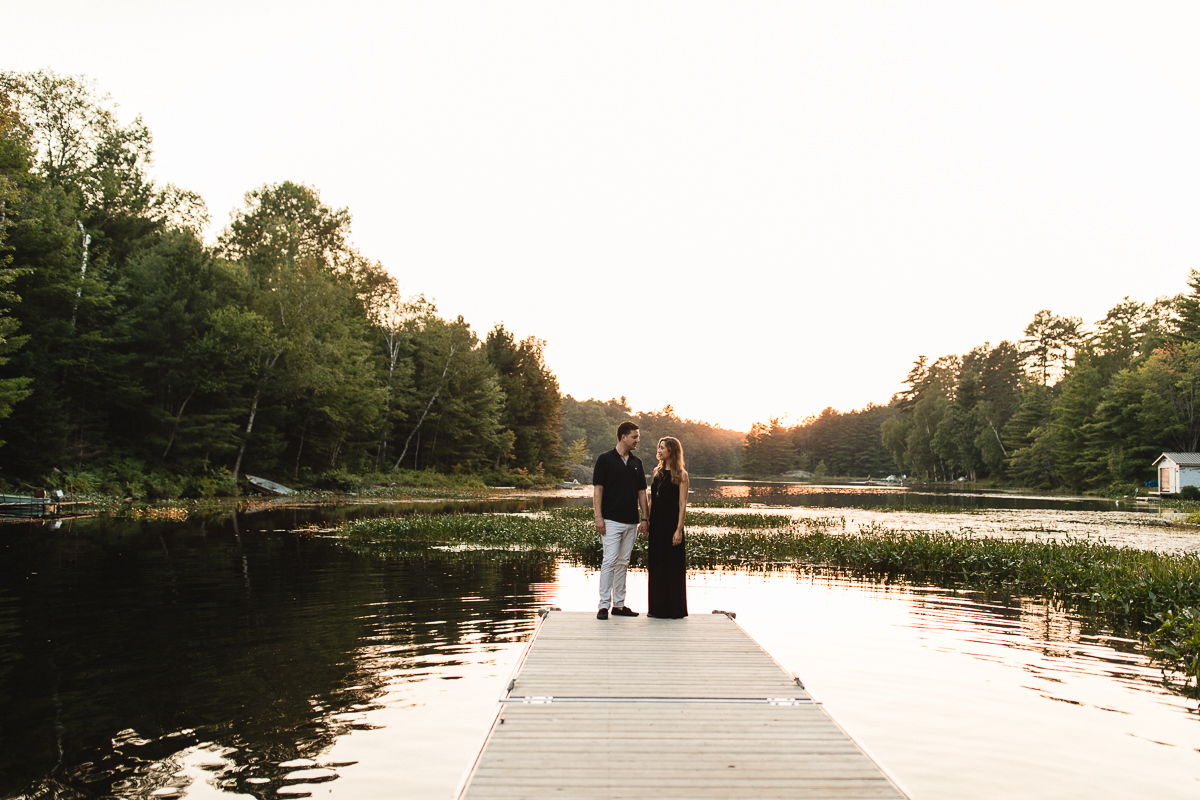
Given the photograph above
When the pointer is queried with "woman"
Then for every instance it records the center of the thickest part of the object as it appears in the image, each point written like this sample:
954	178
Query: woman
668	504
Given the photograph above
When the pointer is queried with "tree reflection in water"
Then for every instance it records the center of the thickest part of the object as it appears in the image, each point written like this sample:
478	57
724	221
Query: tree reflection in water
203	658
123	645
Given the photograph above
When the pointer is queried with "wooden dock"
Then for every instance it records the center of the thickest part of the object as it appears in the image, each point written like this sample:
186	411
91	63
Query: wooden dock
21	506
689	708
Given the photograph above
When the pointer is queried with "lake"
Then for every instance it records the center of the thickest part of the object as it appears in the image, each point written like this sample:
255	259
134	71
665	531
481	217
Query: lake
244	655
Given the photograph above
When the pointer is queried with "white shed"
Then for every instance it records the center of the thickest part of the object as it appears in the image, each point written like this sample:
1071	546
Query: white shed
1176	470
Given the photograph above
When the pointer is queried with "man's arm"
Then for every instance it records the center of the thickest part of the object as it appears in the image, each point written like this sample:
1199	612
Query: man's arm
597	496
644	525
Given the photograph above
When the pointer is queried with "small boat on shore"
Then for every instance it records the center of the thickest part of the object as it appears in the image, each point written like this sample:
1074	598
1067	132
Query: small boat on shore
269	487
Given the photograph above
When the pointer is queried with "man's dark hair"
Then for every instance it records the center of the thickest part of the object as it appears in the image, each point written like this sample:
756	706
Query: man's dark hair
626	428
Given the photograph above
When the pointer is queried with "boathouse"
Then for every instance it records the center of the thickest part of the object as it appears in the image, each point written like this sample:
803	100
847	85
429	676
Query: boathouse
1177	470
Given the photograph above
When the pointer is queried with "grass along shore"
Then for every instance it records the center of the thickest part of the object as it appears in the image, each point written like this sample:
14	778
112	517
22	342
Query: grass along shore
1155	595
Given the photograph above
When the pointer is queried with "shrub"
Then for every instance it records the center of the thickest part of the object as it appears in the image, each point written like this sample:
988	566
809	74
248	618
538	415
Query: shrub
220	483
163	486
338	480
80	481
431	479
1117	490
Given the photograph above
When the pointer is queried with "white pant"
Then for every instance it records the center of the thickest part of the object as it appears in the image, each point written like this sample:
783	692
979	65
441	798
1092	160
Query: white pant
618	544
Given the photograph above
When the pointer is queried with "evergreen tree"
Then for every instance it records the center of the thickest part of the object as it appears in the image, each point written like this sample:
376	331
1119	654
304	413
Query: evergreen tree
531	399
176	410
89	206
1050	343
1186	324
1074	409
1027	427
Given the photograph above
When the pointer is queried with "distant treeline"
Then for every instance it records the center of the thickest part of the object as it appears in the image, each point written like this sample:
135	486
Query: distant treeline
831	444
1065	406
589	427
135	356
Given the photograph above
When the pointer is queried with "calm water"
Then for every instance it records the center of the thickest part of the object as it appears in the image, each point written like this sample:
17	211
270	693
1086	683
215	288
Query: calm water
806	494
1015	516
236	657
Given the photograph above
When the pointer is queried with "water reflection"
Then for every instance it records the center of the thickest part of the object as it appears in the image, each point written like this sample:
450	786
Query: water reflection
123	645
207	659
287	514
853	508
899	497
967	695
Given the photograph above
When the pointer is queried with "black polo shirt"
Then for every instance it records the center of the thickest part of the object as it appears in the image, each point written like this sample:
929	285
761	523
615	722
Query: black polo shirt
622	480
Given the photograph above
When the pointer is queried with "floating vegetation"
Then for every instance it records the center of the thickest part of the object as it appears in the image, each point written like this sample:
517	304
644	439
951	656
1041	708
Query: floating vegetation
924	508
157	512
705	519
1143	589
1175	504
556	532
427	492
1177	641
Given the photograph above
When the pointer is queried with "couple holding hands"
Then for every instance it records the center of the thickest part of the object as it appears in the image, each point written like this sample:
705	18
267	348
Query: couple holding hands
618	496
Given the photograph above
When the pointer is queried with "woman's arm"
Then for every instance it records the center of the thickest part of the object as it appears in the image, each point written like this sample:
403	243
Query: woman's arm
683	493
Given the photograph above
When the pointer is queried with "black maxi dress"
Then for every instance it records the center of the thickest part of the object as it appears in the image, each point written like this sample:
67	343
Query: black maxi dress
667	565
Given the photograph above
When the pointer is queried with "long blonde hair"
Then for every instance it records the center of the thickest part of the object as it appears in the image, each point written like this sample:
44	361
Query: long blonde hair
674	459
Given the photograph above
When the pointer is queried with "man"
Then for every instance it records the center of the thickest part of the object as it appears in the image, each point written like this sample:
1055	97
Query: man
618	495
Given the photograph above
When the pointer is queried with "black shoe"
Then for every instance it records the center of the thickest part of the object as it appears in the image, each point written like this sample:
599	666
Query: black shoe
602	613
623	612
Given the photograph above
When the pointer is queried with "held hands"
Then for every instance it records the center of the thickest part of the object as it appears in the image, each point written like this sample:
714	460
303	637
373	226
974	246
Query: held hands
677	539
643	526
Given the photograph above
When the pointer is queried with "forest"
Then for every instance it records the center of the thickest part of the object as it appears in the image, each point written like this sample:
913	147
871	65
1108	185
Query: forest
831	444
1087	408
136	357
589	427
134	353
1067	406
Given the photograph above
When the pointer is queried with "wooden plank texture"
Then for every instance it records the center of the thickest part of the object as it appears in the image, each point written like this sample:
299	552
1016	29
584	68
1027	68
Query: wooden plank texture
689	708
703	656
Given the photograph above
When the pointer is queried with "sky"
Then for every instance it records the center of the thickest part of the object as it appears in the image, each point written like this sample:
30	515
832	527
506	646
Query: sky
806	196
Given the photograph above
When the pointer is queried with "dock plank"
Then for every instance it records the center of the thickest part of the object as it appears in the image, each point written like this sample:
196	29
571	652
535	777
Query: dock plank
679	708
580	656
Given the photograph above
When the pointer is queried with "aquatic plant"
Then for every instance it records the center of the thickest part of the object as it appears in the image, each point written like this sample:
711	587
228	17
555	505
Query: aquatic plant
1177	641
555	531
705	519
922	508
1177	504
1142	589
